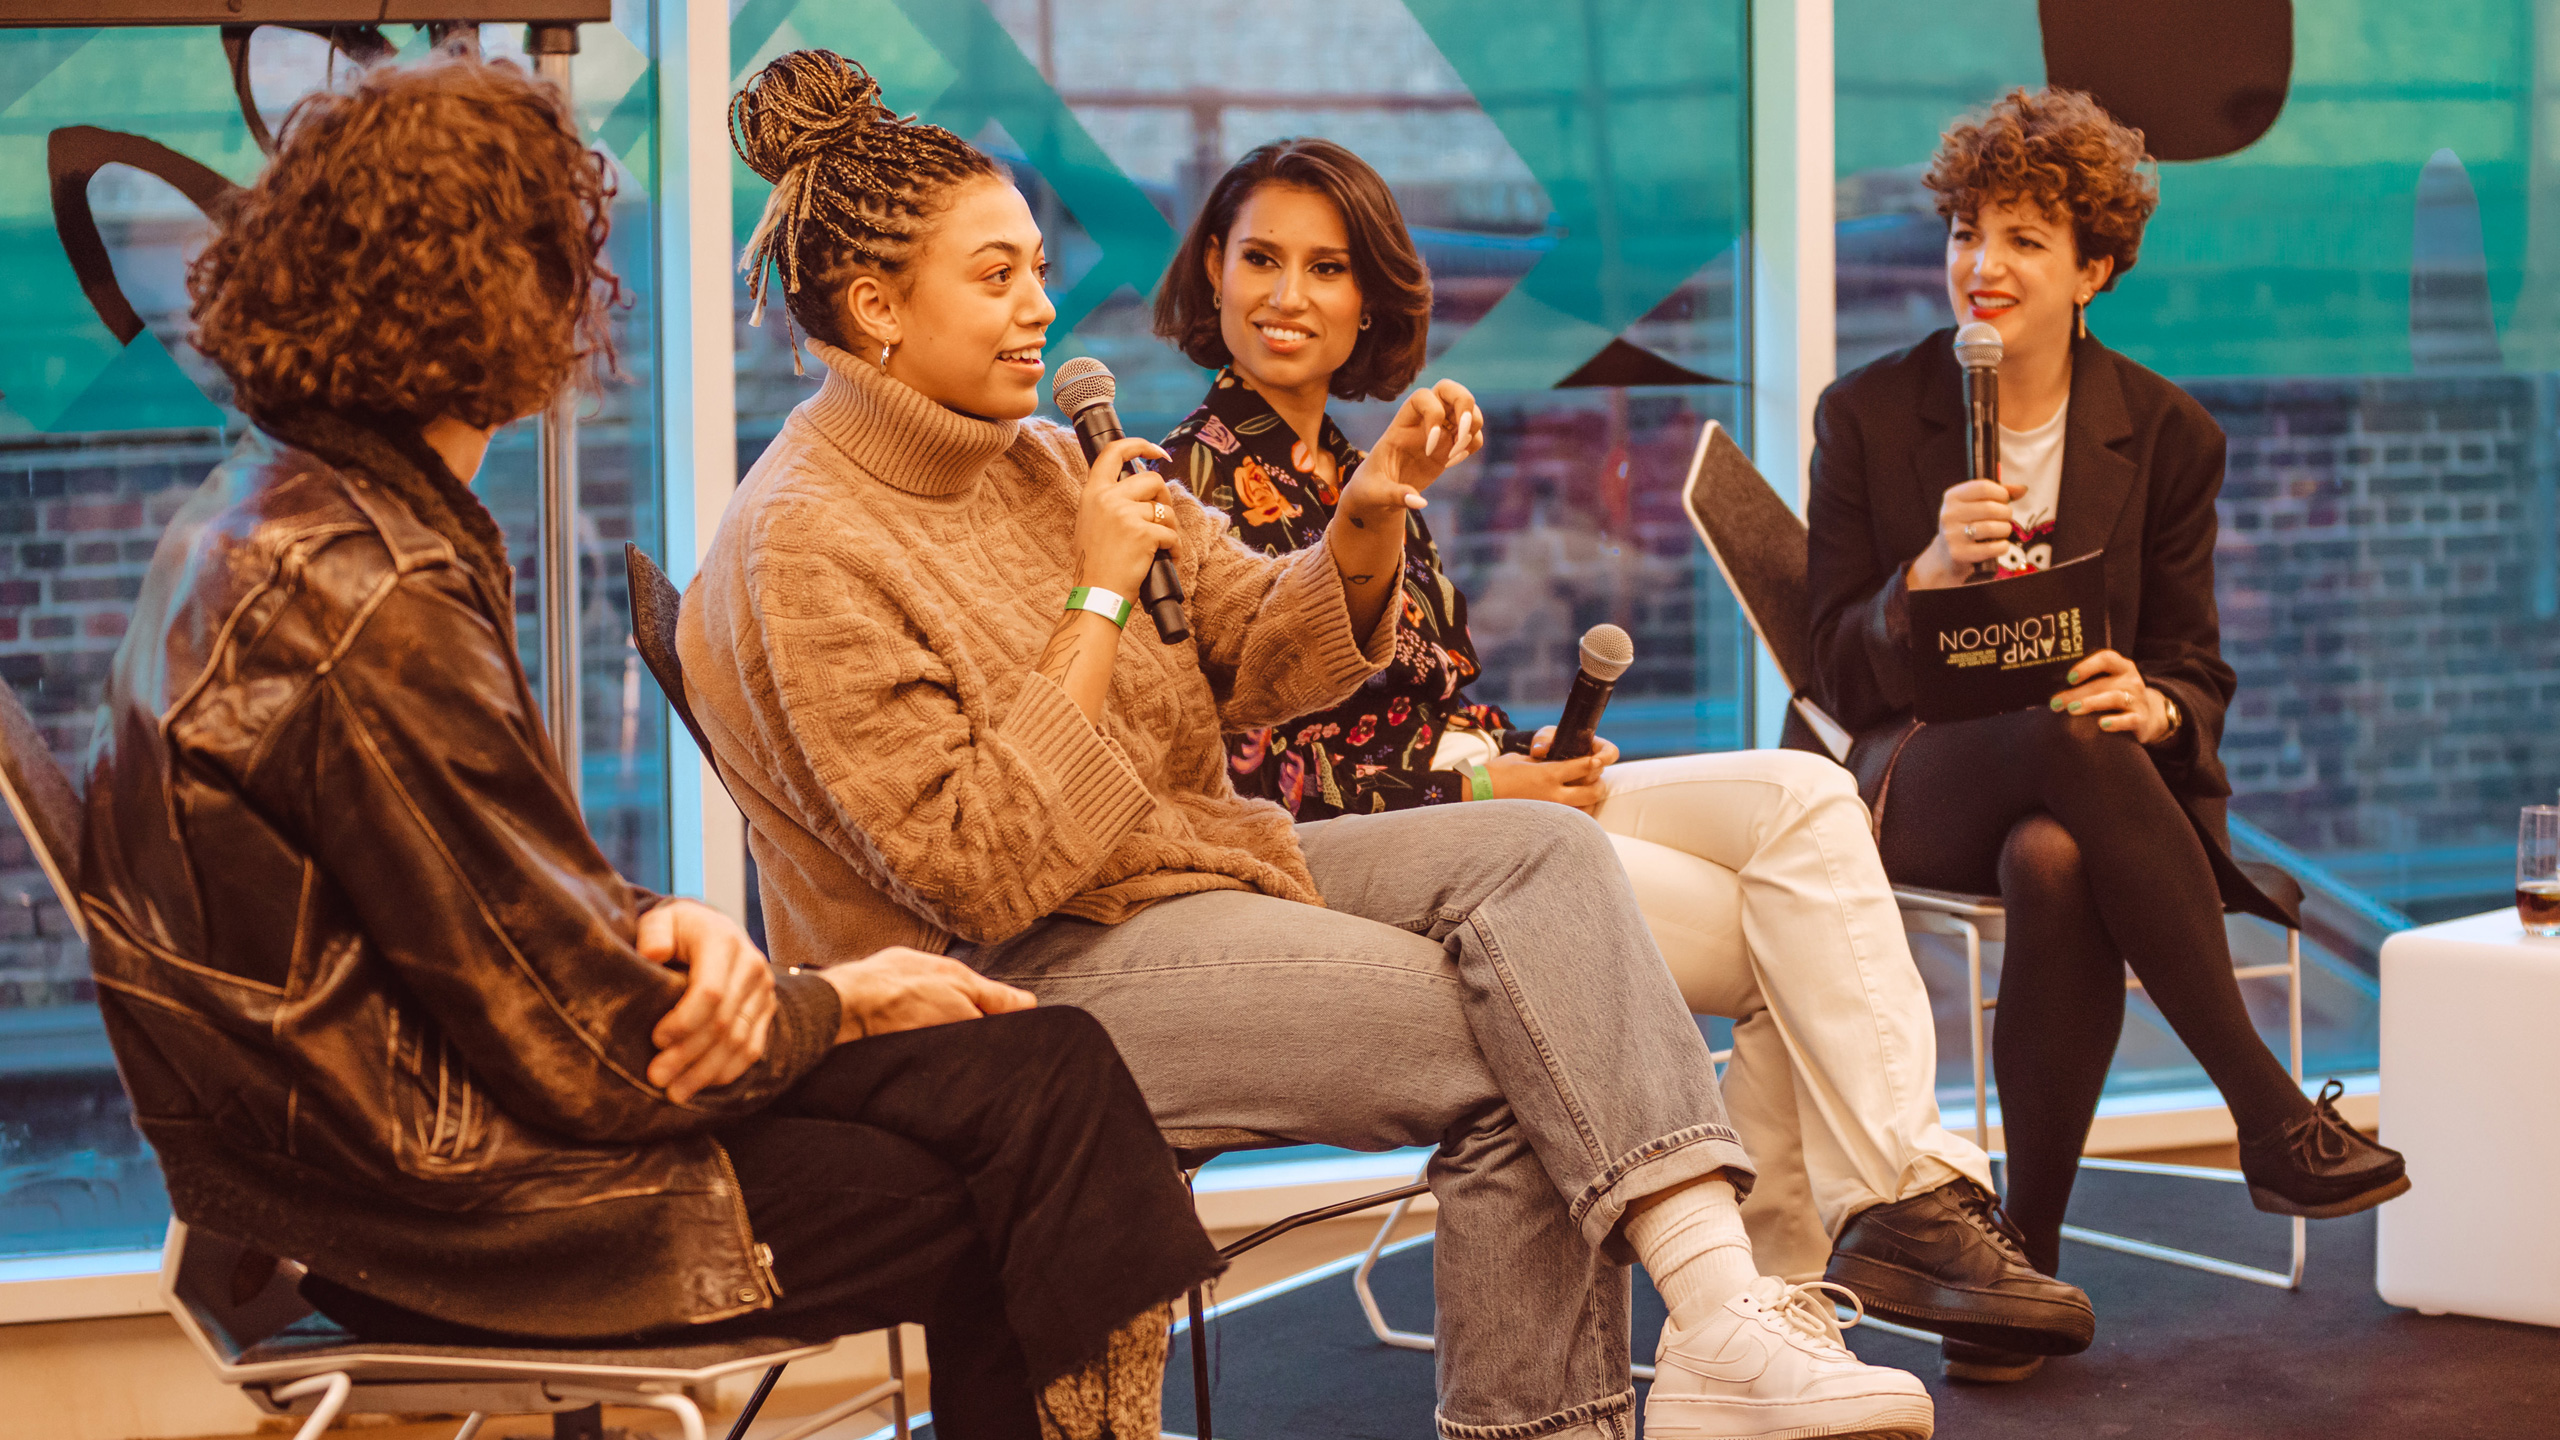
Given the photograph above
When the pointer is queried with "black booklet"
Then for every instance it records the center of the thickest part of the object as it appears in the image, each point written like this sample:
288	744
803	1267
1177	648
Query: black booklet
2005	644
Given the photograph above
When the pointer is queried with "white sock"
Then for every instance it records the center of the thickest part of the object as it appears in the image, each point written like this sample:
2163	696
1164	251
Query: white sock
1693	1245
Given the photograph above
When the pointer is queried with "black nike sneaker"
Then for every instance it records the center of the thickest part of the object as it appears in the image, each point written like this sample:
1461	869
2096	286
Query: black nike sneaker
2320	1167
1949	1261
1982	1365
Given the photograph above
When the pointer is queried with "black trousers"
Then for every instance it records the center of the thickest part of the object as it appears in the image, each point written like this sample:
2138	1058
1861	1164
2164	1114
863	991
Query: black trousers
999	1182
2098	865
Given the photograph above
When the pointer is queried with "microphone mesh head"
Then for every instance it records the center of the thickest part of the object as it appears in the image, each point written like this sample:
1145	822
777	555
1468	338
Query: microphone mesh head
1978	346
1081	384
1606	652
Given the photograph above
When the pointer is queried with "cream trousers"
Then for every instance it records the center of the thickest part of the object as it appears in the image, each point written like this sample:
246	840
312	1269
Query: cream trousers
1758	876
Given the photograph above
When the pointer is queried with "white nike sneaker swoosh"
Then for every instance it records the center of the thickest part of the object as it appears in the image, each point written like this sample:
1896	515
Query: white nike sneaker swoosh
1742	1359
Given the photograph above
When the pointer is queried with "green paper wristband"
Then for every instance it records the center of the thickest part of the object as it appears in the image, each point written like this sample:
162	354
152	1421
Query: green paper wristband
1479	781
1108	604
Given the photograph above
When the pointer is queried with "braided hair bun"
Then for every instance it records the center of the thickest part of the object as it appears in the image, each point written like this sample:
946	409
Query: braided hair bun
855	185
798	106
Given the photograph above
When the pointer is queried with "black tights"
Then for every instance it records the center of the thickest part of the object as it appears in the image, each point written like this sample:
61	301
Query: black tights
2098	866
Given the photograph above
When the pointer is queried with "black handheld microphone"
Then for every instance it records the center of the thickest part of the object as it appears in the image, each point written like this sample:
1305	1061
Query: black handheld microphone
1978	349
1083	390
1606	654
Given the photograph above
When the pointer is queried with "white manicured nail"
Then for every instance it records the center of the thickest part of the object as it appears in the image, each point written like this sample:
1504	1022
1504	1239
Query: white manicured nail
1431	441
1466	422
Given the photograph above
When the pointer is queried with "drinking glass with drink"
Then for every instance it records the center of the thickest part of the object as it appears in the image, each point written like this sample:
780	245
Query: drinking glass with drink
2538	869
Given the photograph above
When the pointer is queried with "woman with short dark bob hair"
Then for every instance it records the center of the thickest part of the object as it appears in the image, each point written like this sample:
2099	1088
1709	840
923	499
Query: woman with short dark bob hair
1379	262
2098	819
1754	870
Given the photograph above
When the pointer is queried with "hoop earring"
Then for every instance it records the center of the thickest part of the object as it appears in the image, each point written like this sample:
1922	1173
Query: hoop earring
1364	321
884	357
1216	300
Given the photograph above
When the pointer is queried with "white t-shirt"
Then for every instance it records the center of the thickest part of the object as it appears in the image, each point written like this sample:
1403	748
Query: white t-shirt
2033	458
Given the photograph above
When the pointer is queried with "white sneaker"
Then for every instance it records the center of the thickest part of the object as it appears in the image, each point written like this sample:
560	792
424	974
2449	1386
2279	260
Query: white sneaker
1768	1365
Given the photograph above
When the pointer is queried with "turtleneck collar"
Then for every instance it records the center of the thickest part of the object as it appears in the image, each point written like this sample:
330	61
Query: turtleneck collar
897	435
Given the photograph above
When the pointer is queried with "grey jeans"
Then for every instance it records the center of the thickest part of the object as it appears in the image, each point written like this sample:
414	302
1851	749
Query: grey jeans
1482	983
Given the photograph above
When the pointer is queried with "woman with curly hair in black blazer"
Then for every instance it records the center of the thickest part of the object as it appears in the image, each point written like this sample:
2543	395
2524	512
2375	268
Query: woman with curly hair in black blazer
2099	821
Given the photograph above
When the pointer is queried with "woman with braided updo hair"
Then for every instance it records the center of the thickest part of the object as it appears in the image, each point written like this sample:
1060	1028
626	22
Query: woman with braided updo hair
930	753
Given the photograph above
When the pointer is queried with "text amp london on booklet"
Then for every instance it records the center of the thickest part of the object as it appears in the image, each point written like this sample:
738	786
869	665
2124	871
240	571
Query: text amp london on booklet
2005	644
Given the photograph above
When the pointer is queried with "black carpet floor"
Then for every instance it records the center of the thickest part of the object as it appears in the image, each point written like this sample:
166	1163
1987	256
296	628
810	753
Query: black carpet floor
2179	1353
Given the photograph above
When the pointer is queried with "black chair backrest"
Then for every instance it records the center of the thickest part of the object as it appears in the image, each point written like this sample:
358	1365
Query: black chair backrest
655	604
1759	545
41	798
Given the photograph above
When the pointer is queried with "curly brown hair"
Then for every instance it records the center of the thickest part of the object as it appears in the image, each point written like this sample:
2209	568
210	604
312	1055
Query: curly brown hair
855	187
429	241
1394	281
2060	151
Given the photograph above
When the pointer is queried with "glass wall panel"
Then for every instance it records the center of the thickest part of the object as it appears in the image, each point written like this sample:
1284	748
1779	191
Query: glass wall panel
1573	173
105	430
2365	299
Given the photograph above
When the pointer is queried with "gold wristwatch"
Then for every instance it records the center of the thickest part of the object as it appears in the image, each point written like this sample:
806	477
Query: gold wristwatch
2177	717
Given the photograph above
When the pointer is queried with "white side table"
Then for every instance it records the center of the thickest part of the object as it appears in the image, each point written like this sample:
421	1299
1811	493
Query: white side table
2469	1008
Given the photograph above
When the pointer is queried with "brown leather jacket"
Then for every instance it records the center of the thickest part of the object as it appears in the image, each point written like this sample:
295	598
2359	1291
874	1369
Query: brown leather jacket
372	987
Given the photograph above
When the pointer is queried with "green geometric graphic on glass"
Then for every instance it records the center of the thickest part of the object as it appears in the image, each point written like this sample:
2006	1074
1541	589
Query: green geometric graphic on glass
1625	113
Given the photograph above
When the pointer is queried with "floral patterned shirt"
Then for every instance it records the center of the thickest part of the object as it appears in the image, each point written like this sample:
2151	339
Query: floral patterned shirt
1373	751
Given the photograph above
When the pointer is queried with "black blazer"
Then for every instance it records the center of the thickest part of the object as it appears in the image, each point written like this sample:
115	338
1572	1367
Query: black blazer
2141	467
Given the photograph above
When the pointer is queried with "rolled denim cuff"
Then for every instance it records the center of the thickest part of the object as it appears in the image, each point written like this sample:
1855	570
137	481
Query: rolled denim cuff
1618	1408
1651	1168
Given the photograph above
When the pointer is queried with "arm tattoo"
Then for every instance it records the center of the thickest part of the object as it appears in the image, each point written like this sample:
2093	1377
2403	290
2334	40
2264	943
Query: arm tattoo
1060	657
1362	579
1359	524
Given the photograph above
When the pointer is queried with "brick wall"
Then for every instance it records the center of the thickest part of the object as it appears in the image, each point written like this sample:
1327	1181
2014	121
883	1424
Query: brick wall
79	519
79	528
2380	544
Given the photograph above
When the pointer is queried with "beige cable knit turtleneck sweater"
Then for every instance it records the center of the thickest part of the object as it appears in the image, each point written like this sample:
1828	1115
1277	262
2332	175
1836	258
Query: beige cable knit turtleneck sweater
860	649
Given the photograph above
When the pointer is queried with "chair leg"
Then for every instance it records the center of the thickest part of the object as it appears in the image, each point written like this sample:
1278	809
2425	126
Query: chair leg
2293	997
2189	1259
1973	1018
590	1421
809	1425
898	1373
755	1402
333	1397
2293	1027
1400	1339
1200	1363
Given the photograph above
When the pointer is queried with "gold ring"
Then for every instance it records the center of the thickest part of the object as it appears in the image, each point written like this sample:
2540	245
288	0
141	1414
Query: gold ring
1160	512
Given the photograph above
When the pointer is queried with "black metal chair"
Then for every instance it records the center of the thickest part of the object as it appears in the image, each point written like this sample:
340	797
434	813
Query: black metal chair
242	1309
656	606
1758	543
